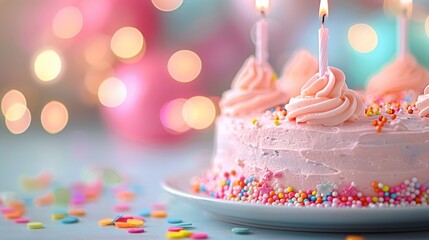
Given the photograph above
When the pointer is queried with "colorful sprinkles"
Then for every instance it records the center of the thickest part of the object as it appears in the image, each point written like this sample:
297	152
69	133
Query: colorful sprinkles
253	190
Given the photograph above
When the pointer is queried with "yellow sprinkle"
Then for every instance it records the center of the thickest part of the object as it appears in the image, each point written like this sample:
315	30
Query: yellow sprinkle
174	235
223	183
158	214
135	222
289	189
281	195
276	122
254	121
186	233
314	193
105	222
368	113
375	199
377	112
385	188
274	77
57	216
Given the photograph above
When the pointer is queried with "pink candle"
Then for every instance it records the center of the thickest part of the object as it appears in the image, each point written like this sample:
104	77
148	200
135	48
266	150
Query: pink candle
323	39
261	44
406	6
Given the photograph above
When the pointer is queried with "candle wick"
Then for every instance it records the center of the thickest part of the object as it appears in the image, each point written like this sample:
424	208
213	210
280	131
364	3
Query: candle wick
323	20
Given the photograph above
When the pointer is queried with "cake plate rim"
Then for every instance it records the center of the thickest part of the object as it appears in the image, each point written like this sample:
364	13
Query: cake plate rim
313	219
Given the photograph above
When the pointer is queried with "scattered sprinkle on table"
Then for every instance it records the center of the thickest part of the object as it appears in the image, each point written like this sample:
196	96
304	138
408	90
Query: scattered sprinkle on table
240	230
21	220
174	229
135	230
135	222
184	225
77	212
69	220
185	233
174	220
122	207
58	216
158	214
199	235
122	225
145	213
105	222
14	214
116	218
35	225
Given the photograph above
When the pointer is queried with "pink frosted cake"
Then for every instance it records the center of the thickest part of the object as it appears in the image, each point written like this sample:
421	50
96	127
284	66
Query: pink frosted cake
324	148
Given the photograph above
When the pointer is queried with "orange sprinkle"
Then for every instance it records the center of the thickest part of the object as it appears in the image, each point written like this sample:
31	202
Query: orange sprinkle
393	117
303	195
158	214
14	214
44	200
381	124
122	225
379	128
384	119
284	112
410	111
270	200
126	195
16	205
344	198
272	193
233	172
105	222
374	184
77	212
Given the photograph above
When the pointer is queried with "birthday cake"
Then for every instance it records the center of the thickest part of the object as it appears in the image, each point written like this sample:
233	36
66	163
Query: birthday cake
325	147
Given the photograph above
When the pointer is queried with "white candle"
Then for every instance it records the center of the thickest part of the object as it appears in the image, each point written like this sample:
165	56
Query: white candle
323	39
406	7
261	45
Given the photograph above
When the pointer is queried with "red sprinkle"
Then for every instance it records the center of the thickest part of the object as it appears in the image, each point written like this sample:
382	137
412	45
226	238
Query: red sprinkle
135	230
199	235
21	220
175	229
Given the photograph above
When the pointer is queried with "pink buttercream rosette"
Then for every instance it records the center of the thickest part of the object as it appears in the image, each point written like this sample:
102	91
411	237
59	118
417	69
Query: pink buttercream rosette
254	90
326	100
423	103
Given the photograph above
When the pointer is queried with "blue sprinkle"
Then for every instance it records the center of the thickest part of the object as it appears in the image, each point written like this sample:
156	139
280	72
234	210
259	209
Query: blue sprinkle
213	194
116	218
202	188
144	213
174	220
252	178
184	224
393	196
228	182
324	199
386	194
69	220
313	198
417	185
240	230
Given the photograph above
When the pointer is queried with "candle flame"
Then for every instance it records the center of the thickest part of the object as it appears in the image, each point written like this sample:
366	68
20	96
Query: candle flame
407	7
323	9
262	6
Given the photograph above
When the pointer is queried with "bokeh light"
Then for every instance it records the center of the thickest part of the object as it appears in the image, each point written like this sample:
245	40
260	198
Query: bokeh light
172	118
54	117
15	112
68	22
184	66
20	125
167	5
199	112
47	65
427	26
362	38
97	52
127	42
112	92
10	98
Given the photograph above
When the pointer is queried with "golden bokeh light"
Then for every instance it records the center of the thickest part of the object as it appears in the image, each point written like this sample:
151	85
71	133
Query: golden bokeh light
199	112
127	42
427	26
10	98
20	125
47	65
362	38
184	66
15	112
68	22
172	118
167	5
112	92
97	52
54	117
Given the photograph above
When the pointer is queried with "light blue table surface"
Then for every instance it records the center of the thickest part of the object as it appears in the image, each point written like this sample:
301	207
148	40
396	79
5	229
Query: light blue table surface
77	148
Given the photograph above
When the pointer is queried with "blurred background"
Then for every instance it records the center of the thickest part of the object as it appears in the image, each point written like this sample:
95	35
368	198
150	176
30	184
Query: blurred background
150	72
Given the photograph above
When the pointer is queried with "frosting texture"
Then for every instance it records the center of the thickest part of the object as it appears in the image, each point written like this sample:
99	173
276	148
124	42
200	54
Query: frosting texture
403	74
254	90
297	71
326	100
423	103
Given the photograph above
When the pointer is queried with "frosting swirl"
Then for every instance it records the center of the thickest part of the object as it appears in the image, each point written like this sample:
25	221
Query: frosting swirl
253	90
301	67
423	103
403	74
326	100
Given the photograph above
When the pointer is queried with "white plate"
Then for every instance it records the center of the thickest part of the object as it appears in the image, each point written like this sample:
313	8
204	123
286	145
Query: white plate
301	218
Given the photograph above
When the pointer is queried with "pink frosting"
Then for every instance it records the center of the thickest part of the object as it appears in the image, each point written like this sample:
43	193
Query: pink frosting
326	100
301	67
402	75
423	103
253	90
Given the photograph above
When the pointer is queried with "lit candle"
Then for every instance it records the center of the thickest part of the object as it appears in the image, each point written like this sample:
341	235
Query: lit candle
323	39
406	10
261	51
